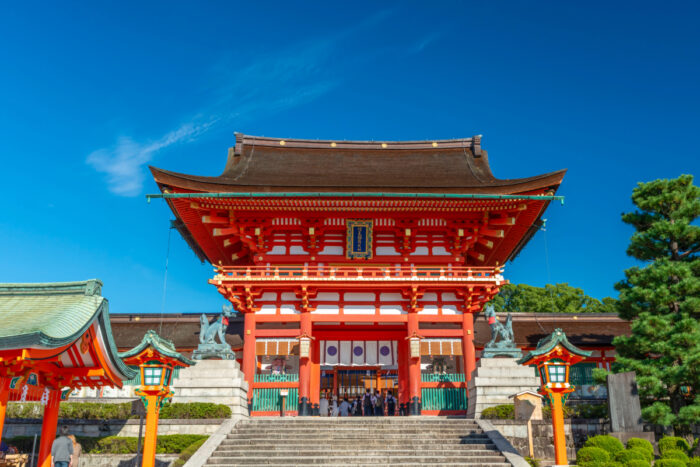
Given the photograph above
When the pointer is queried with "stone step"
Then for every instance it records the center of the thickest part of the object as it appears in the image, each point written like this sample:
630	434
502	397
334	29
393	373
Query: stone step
320	451
499	362
397	464
382	449
299	442
356	459
356	431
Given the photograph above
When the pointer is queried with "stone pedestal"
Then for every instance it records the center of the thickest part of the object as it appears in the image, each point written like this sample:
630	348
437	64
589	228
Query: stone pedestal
215	381
494	380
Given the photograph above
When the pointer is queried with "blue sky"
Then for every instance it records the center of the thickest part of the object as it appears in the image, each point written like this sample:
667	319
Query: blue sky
91	93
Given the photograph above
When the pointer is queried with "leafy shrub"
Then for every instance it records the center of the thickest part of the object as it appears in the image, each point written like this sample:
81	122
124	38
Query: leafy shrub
188	452
669	463
98	411
167	444
602	464
195	410
609	443
639	443
637	463
693	462
675	454
627	455
673	442
500	412
591	454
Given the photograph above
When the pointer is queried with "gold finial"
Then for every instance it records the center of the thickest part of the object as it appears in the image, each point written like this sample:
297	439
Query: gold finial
283	142
383	145
333	144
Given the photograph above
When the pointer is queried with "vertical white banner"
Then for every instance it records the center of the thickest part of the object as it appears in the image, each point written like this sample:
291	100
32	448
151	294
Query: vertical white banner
385	353
371	349
331	355
345	353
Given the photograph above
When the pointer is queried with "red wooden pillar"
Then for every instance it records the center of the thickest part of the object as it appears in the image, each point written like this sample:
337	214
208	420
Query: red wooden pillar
48	428
305	368
468	351
403	375
4	396
249	357
414	389
315	377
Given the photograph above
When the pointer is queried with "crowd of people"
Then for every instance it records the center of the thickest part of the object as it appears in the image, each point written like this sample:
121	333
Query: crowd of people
369	405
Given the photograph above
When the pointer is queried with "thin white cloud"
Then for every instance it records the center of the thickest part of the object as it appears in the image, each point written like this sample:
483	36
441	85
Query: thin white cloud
296	75
123	163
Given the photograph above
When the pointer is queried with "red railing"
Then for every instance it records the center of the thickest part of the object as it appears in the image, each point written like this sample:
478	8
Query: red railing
358	273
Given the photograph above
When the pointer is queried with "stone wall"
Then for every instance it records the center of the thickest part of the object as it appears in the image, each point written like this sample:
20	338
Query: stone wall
577	432
95	428
122	460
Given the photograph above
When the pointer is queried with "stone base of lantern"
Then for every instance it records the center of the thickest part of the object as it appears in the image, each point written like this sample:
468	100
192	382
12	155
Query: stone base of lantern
495	380
215	381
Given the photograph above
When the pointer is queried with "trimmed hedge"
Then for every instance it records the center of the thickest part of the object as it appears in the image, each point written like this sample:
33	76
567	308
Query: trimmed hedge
500	412
640	443
609	443
195	410
627	455
591	454
637	463
669	463
694	462
188	452
673	442
97	411
675	454
167	444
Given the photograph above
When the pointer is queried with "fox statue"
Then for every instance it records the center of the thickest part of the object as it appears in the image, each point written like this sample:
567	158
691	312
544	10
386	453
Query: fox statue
209	331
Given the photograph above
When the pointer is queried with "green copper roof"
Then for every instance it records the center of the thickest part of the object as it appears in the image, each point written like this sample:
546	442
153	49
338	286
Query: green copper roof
51	315
47	315
164	346
558	337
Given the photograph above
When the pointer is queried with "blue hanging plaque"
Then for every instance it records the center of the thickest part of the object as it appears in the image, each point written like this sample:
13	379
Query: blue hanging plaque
358	239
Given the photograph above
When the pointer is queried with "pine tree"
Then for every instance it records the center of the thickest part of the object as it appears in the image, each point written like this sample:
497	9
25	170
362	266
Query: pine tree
559	298
662	299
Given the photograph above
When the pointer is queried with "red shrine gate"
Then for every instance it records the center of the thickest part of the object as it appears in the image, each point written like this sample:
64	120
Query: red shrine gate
357	256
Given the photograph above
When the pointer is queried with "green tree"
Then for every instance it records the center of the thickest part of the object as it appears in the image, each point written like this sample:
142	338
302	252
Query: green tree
559	298
662	299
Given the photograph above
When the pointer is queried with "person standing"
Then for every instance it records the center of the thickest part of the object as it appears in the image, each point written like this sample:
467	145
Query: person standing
378	404
334	407
77	450
357	407
344	408
390	404
368	404
62	449
323	405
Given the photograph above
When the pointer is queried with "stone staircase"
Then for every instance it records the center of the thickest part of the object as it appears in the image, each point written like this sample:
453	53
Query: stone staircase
399	441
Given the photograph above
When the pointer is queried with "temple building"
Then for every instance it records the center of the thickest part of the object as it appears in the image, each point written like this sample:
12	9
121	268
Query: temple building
358	264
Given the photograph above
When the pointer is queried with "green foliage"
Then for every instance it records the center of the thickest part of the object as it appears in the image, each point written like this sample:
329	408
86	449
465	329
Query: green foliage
559	298
500	412
591	454
195	410
637	463
693	462
167	444
97	411
639	443
668	443
188	452
669	463
662	299
589	411
675	454
566	409
627	455
609	443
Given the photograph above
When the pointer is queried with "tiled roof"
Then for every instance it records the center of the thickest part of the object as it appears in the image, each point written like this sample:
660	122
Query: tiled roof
47	315
163	346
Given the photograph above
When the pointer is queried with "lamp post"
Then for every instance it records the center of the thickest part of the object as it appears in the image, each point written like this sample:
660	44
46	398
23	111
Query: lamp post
553	357
157	359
